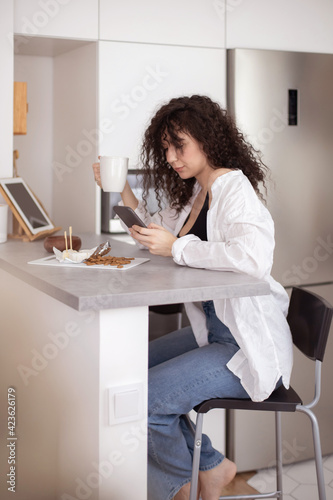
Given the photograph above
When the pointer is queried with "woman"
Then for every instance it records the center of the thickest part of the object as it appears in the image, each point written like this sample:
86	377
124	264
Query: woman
208	176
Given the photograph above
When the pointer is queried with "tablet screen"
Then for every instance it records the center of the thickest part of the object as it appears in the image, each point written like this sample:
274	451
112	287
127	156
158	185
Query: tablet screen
26	205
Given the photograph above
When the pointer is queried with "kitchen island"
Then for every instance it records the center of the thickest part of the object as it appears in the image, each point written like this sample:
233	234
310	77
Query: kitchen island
74	348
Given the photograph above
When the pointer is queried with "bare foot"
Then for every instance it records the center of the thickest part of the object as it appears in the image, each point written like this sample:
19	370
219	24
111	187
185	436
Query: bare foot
214	480
184	492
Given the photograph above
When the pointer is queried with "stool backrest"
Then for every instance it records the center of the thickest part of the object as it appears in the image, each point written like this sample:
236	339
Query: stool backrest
309	318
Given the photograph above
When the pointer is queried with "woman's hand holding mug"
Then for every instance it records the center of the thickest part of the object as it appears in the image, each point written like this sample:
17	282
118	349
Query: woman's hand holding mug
97	173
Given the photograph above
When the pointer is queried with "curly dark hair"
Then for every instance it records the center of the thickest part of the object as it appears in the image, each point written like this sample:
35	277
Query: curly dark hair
211	126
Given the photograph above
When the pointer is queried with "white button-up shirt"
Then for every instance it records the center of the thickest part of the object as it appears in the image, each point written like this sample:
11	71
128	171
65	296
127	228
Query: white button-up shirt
240	234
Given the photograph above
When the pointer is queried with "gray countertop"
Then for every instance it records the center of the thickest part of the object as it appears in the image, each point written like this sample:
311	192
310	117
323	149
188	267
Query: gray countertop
159	281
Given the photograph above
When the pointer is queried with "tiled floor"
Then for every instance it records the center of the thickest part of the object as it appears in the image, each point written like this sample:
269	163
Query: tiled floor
299	480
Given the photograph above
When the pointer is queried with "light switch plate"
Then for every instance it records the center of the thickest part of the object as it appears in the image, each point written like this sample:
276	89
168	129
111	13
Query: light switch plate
125	403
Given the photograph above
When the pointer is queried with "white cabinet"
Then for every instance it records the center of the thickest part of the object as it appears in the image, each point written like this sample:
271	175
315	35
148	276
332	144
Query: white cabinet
135	79
186	22
59	18
6	89
280	24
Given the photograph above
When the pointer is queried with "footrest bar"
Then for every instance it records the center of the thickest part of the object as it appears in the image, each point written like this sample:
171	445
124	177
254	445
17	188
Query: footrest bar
273	494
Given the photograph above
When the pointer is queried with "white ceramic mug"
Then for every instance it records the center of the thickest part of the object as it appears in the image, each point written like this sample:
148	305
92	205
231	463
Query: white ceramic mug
113	173
3	223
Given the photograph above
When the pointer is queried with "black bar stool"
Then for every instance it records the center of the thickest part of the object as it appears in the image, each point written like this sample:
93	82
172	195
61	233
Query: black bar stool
309	317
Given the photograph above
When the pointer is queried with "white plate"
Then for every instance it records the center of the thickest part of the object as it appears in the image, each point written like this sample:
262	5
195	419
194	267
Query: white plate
52	261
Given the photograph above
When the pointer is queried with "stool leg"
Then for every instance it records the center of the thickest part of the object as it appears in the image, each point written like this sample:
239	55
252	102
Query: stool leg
317	450
278	437
196	457
179	320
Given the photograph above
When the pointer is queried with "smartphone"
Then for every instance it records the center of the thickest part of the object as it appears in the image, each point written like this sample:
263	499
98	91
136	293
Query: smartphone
128	216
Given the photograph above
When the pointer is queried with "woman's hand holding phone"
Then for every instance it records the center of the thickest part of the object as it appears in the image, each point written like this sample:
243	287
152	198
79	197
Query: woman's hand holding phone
156	238
128	216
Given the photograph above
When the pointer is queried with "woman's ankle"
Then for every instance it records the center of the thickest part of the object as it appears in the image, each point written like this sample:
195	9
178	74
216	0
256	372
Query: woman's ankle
184	492
214	480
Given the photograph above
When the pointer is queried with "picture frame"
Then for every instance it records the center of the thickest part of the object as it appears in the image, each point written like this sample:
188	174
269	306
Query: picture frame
26	208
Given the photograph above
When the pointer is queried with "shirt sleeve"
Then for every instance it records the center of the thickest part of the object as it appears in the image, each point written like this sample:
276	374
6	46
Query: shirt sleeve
240	234
245	250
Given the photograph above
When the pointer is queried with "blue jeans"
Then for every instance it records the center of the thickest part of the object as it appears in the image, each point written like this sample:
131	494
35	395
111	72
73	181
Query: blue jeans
182	375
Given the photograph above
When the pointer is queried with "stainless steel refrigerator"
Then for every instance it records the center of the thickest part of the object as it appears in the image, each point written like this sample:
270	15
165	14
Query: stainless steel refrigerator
283	103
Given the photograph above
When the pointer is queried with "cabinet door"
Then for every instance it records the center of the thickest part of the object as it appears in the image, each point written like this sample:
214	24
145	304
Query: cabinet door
63	18
186	22
280	25
135	79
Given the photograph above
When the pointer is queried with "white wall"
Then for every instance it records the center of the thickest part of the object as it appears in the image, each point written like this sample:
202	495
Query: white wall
6	88
35	148
75	139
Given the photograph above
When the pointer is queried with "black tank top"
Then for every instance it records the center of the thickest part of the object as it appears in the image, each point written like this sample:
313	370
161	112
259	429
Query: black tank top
199	227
